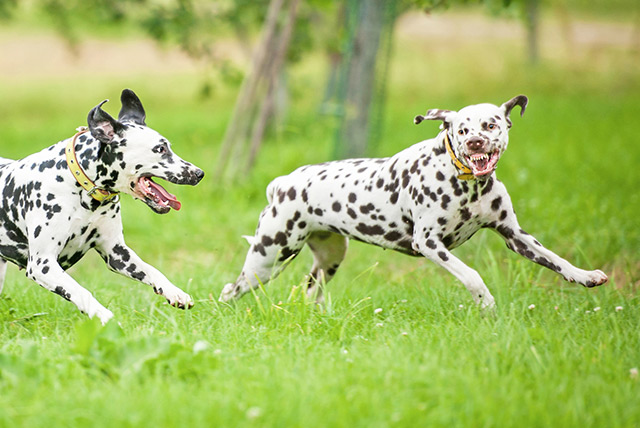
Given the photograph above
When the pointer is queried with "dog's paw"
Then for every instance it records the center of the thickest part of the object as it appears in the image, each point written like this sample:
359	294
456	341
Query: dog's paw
179	299
488	303
587	278
594	278
103	314
229	292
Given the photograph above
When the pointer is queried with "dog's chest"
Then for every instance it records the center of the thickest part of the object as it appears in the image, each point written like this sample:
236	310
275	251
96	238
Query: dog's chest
81	236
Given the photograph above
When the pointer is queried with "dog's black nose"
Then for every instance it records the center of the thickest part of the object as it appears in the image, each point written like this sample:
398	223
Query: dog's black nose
475	143
197	175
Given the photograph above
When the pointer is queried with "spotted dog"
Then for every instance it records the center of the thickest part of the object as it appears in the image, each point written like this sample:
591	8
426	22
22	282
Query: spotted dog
61	202
424	201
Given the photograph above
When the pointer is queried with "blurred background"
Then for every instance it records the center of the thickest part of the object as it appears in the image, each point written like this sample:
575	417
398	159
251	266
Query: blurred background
250	90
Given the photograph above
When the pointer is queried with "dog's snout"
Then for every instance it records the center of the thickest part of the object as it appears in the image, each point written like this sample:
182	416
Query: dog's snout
475	143
199	174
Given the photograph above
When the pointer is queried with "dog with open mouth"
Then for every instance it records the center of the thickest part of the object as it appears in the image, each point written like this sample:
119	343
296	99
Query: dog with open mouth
61	202
424	201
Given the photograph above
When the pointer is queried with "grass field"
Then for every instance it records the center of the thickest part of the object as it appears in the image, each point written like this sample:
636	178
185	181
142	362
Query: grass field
553	354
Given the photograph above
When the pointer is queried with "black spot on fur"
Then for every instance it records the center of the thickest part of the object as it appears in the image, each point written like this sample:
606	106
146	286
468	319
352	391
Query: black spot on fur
445	201
392	235
465	214
546	263
259	248
291	193
366	209
370	230
495	204
62	292
280	239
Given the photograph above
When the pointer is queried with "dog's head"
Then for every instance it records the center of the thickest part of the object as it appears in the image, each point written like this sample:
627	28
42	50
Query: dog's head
131	154
479	134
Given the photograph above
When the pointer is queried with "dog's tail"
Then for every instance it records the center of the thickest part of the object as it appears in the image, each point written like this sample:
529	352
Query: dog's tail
250	239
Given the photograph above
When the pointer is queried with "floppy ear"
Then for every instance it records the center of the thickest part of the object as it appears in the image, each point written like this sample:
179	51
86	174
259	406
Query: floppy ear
132	109
436	114
519	100
102	126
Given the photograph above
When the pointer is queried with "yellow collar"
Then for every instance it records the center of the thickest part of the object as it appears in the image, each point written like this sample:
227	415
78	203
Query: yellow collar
467	173
96	193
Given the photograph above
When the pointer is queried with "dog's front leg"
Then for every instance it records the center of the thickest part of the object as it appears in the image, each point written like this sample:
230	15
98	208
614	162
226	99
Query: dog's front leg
505	222
435	250
45	270
125	261
526	245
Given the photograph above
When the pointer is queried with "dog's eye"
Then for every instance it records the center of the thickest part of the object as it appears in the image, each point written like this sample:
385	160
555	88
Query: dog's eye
491	126
160	148
460	131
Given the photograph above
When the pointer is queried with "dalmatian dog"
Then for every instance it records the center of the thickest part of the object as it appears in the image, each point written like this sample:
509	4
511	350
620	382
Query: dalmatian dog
61	202
424	201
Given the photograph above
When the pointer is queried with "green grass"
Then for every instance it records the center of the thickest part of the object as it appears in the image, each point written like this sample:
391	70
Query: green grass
429	358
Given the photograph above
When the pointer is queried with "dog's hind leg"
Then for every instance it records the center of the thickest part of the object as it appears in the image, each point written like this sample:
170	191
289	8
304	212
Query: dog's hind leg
3	272
275	243
329	249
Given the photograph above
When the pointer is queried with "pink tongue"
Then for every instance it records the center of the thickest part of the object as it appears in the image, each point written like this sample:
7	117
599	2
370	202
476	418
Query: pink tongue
159	191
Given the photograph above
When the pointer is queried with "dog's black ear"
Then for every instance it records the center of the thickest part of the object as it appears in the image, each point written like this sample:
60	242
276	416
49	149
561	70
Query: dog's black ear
132	109
519	100
102	126
445	116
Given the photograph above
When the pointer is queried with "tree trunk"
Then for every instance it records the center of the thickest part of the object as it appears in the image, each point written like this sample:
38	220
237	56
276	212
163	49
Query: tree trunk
255	103
532	22
360	77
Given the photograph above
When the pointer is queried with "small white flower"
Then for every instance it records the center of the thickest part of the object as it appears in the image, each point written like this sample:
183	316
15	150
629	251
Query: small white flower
587	311
254	412
199	346
460	306
532	307
379	324
555	307
403	301
596	309
344	351
377	311
619	308
404	333
633	373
